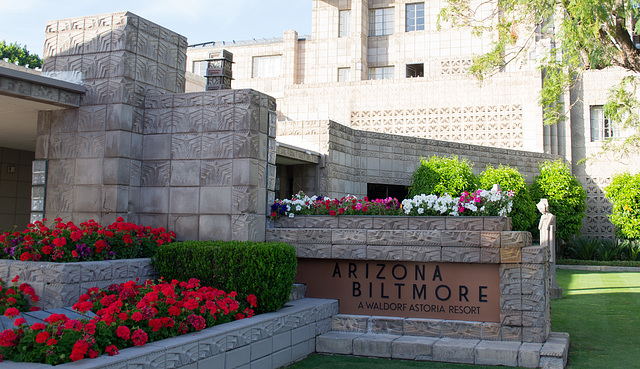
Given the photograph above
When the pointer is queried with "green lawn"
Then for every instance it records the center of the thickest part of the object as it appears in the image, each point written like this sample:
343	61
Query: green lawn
601	312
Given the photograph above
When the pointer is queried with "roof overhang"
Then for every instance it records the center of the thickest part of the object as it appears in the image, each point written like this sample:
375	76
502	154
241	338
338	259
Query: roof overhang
292	155
22	96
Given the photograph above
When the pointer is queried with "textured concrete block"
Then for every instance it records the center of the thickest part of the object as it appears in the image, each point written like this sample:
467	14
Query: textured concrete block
262	363
420	253
348	251
385	238
215	200
427	223
461	254
497	224
281	235
349	237
551	363
461	329
423	327
355	222
323	326
390	223
336	342
386	325
490	255
489	239
464	223
490	331
303	334
384	252
302	350
511	255
320	222
461	238
409	348
455	350
373	345
515	239
497	353
314	235
535	254
423	238
529	355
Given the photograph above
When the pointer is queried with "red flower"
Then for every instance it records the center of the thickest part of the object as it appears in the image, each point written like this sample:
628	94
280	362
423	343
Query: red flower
139	338
11	312
123	332
253	300
8	338
79	350
38	326
112	350
100	245
137	316
11	300
76	235
174	311
123	316
47	249
52	341
90	328
19	322
15	279
42	337
93	354
60	241
332	213
74	253
26	256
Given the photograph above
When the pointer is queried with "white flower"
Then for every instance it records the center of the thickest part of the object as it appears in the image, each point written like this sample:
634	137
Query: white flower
298	207
420	210
291	215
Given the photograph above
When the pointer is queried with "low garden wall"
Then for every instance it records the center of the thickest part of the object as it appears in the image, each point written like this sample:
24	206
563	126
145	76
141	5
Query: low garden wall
61	284
268	340
371	260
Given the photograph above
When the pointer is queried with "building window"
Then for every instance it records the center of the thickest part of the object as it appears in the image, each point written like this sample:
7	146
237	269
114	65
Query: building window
381	73
344	23
415	17
267	66
344	74
381	22
600	126
415	70
199	68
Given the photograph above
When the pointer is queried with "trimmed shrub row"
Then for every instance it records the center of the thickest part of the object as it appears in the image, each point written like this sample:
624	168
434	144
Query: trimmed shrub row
265	269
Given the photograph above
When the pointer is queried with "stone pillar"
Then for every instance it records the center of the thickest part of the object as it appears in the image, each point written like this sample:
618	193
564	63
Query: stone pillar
95	152
360	34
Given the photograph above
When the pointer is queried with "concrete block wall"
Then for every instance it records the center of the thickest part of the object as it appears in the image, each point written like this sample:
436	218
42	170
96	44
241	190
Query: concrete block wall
357	157
523	268
204	170
61	284
270	340
15	188
121	58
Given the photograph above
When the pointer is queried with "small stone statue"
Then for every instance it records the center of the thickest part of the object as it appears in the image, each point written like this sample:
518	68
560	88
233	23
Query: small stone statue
547	229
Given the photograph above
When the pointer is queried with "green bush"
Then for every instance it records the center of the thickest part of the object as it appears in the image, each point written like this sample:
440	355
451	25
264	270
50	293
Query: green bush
263	269
565	194
439	175
624	193
523	215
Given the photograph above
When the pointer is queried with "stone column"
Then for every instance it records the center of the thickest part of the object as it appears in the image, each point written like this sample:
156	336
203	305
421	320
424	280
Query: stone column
94	152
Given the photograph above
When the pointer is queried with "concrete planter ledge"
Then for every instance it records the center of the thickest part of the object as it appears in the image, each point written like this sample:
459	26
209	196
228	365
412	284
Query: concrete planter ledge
269	340
61	284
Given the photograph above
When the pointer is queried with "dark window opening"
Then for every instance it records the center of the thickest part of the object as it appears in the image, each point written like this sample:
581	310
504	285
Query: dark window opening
382	191
415	70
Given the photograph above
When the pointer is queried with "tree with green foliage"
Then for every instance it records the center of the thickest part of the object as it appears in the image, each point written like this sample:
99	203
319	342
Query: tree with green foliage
565	194
523	215
439	175
575	35
624	194
16	53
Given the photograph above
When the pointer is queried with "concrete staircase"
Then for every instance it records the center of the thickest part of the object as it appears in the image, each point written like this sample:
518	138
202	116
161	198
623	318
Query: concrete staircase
367	342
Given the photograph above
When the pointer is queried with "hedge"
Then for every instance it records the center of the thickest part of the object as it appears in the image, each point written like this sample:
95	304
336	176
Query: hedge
265	269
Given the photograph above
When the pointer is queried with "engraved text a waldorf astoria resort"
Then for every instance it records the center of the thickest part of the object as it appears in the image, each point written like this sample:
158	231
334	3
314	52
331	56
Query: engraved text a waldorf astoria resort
406	289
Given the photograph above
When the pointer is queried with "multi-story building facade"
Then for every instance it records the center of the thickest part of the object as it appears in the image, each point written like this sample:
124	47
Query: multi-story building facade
386	66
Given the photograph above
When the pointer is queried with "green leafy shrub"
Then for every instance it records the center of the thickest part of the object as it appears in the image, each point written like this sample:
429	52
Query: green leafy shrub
523	215
624	194
263	269
565	194
582	248
630	249
439	175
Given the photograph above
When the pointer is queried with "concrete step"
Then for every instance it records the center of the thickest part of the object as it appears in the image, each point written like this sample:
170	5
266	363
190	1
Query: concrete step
551	354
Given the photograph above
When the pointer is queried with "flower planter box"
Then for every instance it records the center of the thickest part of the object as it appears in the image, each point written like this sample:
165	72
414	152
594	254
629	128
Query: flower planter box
61	284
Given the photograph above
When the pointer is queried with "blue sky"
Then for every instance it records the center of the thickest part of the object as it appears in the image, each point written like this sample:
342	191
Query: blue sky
23	21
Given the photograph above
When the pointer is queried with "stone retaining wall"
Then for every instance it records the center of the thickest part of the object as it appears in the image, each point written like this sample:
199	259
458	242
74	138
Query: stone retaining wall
61	284
524	269
270	340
